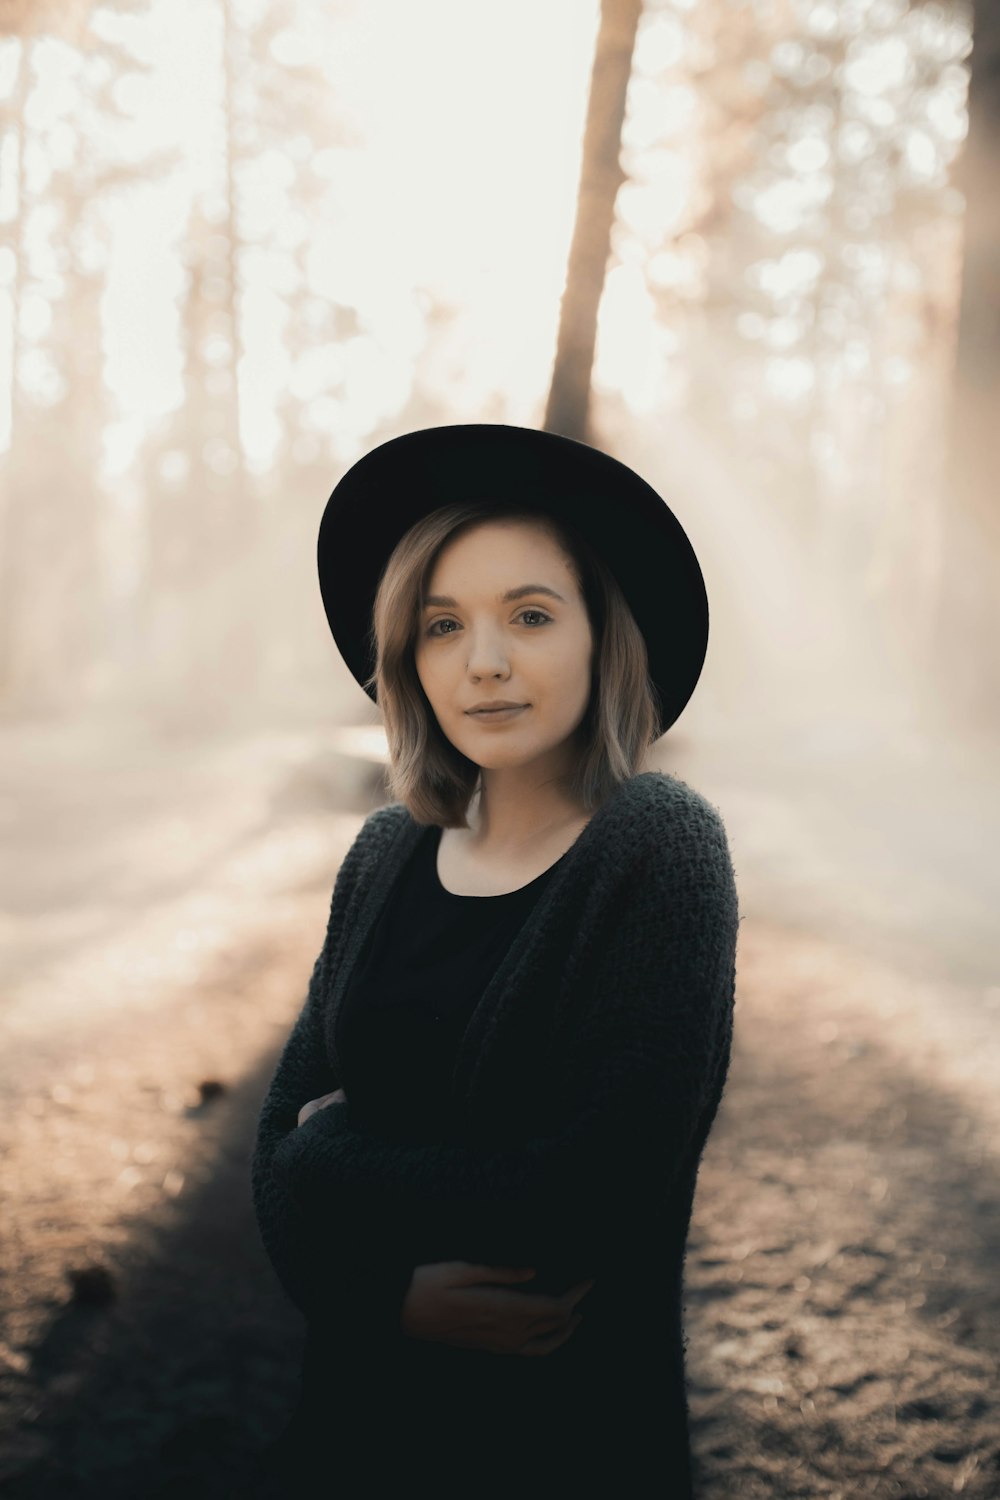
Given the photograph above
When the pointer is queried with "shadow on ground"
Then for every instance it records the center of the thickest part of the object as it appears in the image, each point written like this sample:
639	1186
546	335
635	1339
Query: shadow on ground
842	1308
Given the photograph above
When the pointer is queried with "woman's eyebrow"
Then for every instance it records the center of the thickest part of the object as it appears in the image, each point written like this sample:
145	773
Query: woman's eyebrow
525	588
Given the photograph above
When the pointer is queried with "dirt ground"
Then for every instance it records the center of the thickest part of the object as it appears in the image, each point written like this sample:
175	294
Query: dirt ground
842	1307
842	1302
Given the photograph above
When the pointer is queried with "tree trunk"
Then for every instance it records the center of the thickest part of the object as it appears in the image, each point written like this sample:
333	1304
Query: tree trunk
14	496
601	176
968	633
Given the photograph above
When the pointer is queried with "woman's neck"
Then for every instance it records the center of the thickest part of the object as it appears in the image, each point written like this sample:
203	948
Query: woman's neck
512	814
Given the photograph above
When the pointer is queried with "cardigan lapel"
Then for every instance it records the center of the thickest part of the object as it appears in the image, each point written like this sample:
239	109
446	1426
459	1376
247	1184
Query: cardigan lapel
359	921
528	954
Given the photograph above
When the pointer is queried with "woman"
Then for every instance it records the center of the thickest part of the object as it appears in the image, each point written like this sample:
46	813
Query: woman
476	1161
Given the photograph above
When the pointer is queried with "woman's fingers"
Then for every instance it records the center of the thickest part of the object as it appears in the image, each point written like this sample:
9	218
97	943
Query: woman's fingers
486	1307
547	1342
499	1273
576	1294
337	1097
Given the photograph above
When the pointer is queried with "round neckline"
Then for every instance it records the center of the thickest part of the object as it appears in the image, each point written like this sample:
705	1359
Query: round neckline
435	843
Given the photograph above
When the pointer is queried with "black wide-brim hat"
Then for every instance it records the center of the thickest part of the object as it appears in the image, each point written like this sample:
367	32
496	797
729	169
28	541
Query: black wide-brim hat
630	527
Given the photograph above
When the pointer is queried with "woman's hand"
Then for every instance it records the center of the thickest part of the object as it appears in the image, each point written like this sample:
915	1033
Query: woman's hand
454	1302
337	1097
470	1307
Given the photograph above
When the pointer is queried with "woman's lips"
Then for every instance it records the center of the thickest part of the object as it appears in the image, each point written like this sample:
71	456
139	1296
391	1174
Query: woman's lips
498	715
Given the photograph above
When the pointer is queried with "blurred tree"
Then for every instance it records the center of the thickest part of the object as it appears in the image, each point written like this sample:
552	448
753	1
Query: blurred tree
818	341
968	634
232	499
56	616
63	18
201	643
601	175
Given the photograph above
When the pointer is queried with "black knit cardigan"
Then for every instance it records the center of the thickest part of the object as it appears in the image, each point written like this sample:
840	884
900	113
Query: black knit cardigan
586	1082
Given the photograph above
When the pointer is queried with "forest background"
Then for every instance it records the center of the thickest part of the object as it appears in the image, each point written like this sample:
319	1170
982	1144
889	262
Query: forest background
243	242
751	247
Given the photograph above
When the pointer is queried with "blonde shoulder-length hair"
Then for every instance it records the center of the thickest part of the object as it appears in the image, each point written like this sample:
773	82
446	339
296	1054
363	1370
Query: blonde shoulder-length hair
426	772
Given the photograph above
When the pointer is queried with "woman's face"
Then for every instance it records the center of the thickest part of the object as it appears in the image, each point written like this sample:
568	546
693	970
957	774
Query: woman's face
475	645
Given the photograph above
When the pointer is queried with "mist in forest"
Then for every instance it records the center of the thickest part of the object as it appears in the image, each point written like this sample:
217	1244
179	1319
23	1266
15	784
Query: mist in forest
245	242
748	248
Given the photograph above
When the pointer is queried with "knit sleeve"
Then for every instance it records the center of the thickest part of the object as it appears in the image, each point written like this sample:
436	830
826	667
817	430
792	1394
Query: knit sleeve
344	1276
640	1072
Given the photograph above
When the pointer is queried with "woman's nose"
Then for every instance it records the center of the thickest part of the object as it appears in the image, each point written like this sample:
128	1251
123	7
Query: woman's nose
486	656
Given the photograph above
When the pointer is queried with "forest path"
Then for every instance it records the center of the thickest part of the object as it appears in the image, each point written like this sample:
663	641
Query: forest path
842	1310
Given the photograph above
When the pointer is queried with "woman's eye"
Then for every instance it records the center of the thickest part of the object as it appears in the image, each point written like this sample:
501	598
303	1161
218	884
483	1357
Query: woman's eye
432	630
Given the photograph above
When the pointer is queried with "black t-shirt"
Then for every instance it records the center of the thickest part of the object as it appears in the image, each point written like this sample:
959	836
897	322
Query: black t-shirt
418	979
